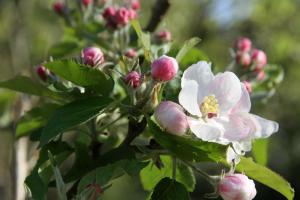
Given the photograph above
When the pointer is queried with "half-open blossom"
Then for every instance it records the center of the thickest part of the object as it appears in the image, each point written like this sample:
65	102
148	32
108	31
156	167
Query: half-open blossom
164	68
164	36
58	7
133	79
236	187
243	44
92	56
170	116
259	58
42	72
220	105
243	58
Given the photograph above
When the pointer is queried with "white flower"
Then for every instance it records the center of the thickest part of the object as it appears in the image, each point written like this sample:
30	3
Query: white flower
220	105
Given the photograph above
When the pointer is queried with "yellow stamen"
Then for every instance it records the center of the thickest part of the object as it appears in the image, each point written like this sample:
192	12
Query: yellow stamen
209	106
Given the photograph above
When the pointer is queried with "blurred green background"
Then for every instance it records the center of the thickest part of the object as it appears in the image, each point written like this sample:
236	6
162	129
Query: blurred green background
29	28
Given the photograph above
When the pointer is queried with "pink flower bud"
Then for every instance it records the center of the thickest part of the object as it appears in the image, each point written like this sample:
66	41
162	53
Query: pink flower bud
164	36
86	2
171	117
248	86
42	72
237	187
135	4
259	58
164	68
58	7
122	16
133	79
132	14
243	58
92	56
244	44
109	13
131	53
260	74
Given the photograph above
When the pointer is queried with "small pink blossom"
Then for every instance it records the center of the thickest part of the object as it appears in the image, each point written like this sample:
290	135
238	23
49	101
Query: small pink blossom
171	117
164	68
133	79
236	187
122	16
244	44
132	14
135	4
131	53
164	36
92	56
259	58
243	58
260	74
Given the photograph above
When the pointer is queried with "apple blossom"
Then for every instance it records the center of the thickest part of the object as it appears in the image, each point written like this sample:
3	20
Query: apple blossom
243	58
122	16
236	187
243	44
164	68
133	79
92	56
220	106
259	58
171	117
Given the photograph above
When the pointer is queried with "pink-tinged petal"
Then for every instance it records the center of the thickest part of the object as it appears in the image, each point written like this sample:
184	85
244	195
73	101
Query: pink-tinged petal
265	127
239	127
207	131
188	98
244	104
227	89
202	74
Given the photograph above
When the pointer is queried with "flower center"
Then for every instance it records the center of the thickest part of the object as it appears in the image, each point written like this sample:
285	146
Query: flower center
209	107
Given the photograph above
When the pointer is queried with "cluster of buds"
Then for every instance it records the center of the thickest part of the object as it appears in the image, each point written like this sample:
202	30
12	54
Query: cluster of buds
251	59
120	17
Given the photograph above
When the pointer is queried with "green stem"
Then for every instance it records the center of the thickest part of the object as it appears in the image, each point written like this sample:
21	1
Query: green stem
203	174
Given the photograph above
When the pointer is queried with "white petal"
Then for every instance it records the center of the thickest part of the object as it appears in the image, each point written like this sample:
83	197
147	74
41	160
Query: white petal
265	127
242	147
244	104
232	156
205	131
202	74
188	98
227	89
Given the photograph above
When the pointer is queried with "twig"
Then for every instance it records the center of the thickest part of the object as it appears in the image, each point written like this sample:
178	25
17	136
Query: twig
159	10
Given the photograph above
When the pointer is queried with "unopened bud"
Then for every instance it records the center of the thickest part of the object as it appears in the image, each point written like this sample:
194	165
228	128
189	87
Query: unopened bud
243	58
243	44
92	56
259	58
58	7
42	72
135	4
131	53
109	12
133	79
164	36
248	86
132	14
122	16
164	68
171	117
86	2
236	187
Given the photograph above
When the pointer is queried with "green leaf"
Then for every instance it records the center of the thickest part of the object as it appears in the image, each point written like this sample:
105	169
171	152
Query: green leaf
61	187
151	175
102	175
186	148
82	75
27	85
186	47
73	114
260	151
144	38
193	56
266	177
64	48
168	189
35	119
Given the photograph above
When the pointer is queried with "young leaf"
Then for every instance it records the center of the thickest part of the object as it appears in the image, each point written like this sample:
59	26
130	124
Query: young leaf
168	189
35	119
73	114
186	47
151	175
260	151
82	75
194	55
187	148
27	85
102	175
64	48
266	177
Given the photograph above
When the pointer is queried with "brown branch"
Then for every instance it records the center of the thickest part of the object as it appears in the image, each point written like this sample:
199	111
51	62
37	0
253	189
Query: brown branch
134	129
159	10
